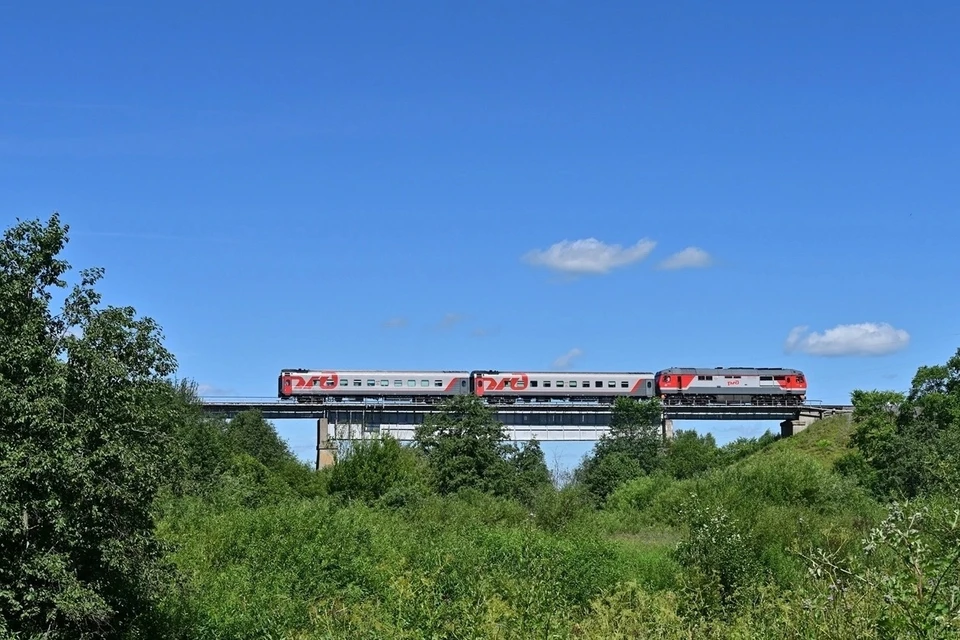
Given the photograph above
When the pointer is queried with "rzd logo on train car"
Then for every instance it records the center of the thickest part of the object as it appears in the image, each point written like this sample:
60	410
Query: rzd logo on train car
517	382
733	383
322	381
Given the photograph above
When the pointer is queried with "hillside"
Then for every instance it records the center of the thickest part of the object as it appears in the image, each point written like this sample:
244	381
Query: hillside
825	440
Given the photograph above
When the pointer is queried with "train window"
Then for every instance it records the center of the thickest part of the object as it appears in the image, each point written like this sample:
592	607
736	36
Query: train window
598	383
559	383
573	383
586	383
649	384
398	383
424	383
624	384
438	383
344	382
357	383
546	383
411	383
463	383
384	383
766	377
371	383
612	383
534	383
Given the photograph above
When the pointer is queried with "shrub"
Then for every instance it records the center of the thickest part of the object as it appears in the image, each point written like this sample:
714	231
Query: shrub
372	469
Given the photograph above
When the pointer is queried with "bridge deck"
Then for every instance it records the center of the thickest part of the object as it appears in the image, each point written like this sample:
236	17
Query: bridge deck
544	421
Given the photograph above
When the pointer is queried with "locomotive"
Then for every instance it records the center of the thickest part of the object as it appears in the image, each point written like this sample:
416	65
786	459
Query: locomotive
759	386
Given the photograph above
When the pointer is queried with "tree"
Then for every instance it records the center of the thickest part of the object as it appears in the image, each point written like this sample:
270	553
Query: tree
909	444
530	470
370	469
690	454
466	447
86	416
249	433
633	446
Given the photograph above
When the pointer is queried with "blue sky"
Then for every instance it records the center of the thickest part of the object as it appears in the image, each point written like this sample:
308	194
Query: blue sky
501	184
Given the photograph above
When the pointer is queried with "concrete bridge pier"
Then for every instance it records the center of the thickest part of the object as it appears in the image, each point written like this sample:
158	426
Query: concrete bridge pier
666	427
325	457
791	427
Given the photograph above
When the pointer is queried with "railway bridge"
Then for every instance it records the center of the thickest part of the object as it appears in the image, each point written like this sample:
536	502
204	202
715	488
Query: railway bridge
548	421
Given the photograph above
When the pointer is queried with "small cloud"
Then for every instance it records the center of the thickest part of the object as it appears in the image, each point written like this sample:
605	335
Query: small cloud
449	320
589	255
865	339
482	332
689	258
564	361
211	390
394	323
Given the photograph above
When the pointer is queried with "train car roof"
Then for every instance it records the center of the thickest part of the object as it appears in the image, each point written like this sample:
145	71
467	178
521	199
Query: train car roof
374	371
733	371
567	374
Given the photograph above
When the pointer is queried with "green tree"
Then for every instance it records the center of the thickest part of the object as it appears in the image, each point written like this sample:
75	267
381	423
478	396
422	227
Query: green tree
531	474
633	446
202	451
86	417
466	447
690	454
371	469
249	433
909	444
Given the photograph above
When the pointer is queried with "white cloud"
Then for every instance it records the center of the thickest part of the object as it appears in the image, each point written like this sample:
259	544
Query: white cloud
211	390
564	361
589	255
449	320
864	339
395	323
689	258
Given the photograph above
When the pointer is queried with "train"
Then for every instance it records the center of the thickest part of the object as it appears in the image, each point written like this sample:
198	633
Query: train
757	386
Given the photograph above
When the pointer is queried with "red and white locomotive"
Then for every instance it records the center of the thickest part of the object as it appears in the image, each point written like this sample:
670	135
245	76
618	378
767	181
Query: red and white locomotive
675	386
734	385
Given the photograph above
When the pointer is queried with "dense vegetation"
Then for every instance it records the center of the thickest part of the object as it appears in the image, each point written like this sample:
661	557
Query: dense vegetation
124	512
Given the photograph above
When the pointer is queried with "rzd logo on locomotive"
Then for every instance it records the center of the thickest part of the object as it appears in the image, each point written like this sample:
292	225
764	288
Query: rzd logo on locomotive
326	380
516	382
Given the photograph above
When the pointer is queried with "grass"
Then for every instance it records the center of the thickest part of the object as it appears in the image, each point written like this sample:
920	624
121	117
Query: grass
825	440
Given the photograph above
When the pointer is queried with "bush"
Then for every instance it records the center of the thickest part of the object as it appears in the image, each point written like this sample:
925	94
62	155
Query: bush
371	469
639	493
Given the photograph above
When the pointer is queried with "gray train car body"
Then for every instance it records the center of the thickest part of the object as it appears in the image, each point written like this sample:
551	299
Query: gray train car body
320	386
498	387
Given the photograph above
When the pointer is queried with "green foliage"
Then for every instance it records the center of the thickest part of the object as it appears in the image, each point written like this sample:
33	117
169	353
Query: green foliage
466	448
909	445
633	446
690	454
742	447
531	475
721	553
86	419
638	494
249	433
372	469
471	566
910	566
